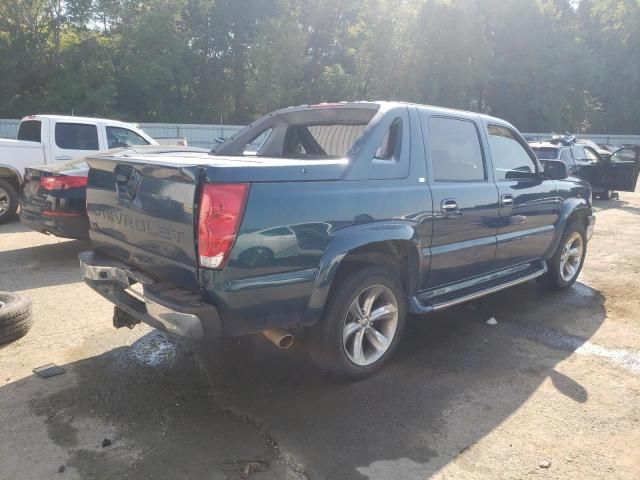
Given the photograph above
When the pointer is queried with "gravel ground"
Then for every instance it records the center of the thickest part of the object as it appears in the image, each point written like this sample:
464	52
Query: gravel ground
551	391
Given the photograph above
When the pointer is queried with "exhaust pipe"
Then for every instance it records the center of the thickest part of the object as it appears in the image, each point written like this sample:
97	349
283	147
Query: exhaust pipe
280	338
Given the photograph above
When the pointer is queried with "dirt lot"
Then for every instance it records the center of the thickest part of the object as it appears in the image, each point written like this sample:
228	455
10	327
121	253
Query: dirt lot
557	381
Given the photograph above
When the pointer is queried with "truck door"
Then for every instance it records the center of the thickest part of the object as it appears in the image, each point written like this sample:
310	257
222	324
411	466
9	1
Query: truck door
529	206
465	200
69	139
621	171
585	168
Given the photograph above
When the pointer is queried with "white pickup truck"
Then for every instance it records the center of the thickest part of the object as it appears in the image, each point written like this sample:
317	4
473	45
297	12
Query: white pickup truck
50	139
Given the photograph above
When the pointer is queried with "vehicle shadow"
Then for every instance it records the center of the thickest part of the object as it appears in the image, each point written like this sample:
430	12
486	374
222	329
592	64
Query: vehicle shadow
453	381
143	411
50	264
13	225
600	205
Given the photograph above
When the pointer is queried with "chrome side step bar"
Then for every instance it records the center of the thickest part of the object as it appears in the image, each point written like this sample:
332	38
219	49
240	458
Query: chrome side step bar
421	307
490	290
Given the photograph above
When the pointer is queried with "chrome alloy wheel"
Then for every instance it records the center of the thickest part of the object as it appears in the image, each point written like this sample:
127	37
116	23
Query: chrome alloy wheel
4	200
571	256
370	325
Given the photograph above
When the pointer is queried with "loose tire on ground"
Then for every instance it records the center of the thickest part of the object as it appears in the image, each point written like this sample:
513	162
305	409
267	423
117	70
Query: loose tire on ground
561	275
15	316
331	345
8	201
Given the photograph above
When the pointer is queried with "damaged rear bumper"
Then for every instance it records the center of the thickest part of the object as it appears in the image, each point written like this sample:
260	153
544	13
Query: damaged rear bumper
160	305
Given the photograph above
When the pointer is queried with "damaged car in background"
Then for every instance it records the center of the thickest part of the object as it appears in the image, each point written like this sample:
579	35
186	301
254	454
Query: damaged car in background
606	171
53	197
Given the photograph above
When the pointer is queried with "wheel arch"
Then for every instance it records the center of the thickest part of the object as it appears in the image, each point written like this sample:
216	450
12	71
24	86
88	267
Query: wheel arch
12	175
392	244
573	208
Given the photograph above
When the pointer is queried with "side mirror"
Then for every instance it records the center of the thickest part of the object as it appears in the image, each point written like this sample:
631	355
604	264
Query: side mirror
555	170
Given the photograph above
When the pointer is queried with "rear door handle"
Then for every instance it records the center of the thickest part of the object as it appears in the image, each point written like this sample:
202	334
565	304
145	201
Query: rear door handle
449	206
63	157
506	200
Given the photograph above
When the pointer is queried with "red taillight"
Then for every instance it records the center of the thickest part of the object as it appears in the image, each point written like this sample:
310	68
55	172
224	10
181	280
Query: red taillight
62	182
221	209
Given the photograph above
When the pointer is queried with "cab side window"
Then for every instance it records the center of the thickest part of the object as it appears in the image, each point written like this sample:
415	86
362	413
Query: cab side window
76	136
566	157
511	160
456	154
625	155
591	156
578	154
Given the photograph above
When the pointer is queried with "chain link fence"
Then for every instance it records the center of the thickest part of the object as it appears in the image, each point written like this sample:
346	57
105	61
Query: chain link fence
202	135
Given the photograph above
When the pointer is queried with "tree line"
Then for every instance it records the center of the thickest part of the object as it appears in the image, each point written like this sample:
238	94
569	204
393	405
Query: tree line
544	65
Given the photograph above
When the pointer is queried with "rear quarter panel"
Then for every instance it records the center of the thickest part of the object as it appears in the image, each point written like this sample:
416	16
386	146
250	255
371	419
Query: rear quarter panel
294	226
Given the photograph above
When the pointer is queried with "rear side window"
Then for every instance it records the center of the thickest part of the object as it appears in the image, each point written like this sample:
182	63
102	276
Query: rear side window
390	146
123	137
30	131
511	160
456	154
76	136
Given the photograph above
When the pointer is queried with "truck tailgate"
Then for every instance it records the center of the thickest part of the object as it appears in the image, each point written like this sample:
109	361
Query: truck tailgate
142	213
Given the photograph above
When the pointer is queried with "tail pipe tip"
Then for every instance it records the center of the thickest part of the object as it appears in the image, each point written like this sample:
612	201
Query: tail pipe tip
280	338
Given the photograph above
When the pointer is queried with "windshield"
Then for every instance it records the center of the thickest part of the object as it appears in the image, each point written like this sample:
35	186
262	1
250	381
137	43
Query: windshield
546	153
589	143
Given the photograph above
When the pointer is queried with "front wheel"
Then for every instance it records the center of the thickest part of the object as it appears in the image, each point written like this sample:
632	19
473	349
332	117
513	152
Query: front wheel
566	263
8	201
363	323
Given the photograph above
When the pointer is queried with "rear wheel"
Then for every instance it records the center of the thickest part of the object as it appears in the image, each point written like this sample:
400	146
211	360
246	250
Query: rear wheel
363	323
8	201
566	263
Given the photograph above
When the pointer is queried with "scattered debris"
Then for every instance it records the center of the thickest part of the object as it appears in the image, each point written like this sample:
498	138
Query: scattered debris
545	464
106	442
243	466
50	370
61	469
492	321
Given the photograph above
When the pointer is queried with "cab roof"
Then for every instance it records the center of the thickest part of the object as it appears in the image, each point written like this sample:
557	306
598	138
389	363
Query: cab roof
385	105
546	145
74	119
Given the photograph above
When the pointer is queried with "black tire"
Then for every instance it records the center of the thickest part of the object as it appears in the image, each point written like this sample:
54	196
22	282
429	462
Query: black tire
15	316
606	195
324	340
12	197
554	277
